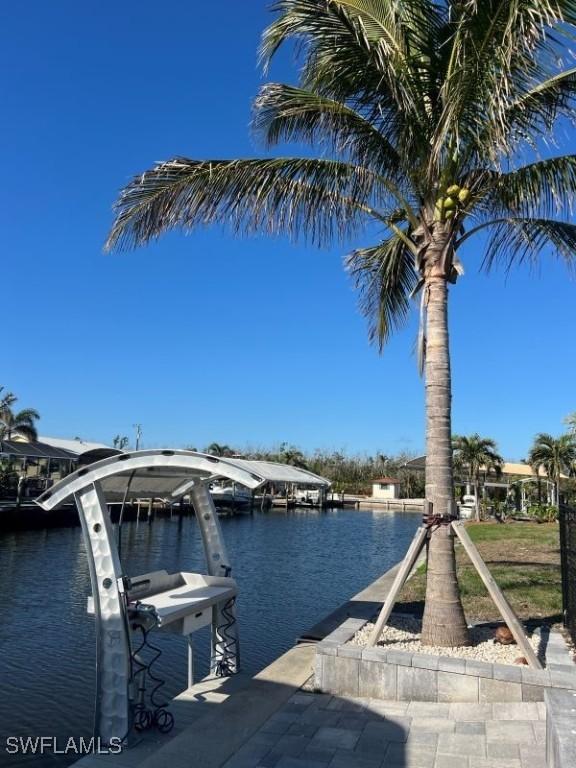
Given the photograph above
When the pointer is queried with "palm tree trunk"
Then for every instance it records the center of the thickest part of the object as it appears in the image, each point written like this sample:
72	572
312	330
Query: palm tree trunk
443	623
557	494
476	500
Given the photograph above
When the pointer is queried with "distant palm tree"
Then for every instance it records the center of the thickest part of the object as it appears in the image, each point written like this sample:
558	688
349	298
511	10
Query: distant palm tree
570	421
22	423
429	118
7	400
475	455
216	449
290	455
120	442
556	456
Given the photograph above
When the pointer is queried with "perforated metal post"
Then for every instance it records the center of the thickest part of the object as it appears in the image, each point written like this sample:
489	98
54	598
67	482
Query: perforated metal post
210	530
225	655
112	712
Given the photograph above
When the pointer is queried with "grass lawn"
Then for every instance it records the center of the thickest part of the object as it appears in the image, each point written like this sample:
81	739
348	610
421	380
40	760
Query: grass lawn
524	559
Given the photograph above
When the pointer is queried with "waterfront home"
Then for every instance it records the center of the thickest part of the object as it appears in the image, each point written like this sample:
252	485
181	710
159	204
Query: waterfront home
30	466
517	482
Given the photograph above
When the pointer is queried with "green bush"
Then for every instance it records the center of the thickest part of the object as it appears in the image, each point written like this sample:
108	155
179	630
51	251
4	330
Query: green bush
543	513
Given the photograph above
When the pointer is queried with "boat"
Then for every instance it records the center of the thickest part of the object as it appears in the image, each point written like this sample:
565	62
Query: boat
305	497
467	506
231	496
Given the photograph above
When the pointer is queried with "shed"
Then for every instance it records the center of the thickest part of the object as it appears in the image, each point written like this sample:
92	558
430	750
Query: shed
386	488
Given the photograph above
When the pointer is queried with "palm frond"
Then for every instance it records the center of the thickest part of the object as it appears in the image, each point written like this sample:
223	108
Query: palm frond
542	188
287	113
517	239
370	53
538	108
26	430
385	277
476	453
500	53
26	416
554	455
318	200
396	30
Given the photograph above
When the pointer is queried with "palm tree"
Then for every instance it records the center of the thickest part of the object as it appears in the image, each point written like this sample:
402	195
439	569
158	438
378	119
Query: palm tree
475	455
7	400
570	421
217	449
289	454
120	442
427	115
556	456
21	423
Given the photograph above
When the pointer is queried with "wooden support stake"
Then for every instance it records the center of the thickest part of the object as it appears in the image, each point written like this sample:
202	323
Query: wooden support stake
497	596
404	571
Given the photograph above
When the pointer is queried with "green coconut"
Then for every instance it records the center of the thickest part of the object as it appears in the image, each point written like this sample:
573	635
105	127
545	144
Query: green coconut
453	190
449	214
464	195
449	203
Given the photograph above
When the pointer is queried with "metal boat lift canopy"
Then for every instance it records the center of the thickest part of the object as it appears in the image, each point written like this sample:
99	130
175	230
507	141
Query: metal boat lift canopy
179	602
169	475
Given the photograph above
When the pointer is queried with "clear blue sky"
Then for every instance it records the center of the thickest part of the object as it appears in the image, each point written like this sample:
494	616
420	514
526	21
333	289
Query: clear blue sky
205	337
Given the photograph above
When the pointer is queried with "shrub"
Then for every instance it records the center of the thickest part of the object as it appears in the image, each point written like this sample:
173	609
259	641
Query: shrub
543	513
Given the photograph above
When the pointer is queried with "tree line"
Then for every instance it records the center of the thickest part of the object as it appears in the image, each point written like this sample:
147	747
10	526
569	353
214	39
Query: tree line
474	459
349	473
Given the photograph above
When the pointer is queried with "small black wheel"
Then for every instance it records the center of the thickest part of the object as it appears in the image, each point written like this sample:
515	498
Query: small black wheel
164	720
143	719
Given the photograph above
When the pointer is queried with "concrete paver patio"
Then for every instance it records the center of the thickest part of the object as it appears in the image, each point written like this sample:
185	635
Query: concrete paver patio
320	731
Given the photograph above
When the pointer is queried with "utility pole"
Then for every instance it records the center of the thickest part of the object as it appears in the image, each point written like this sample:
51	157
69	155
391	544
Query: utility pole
138	428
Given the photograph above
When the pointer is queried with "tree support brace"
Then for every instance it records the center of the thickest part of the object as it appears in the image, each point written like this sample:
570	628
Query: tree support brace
430	523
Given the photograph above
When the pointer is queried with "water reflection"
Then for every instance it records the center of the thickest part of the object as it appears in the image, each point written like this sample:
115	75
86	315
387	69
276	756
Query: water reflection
292	568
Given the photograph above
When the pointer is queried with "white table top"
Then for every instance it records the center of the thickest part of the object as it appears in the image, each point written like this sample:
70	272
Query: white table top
182	601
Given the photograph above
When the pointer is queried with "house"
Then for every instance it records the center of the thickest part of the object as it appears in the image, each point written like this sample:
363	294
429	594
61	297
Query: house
386	488
515	479
28	467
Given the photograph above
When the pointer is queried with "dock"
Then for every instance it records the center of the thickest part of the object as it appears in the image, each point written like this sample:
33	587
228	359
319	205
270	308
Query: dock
393	505
216	717
219	720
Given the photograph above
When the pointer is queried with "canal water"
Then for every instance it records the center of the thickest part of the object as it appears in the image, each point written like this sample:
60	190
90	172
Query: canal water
293	568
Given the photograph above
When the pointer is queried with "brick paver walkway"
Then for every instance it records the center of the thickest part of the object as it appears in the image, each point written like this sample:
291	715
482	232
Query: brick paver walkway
322	731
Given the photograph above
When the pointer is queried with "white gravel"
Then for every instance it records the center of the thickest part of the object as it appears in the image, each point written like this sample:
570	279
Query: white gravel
403	634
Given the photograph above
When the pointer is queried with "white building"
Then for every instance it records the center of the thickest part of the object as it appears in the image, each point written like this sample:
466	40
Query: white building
386	488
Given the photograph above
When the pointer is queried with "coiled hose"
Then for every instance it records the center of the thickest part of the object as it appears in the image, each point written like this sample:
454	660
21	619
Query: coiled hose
156	716
226	644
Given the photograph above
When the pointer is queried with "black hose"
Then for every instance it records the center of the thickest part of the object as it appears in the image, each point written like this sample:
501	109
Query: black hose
226	644
156	716
121	516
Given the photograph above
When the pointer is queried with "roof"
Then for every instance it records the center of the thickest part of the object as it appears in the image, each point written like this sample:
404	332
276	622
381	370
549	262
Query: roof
34	450
389	480
274	472
96	454
76	446
509	468
169	474
418	463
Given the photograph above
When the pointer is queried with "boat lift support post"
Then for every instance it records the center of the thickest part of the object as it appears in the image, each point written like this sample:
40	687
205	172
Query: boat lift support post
182	602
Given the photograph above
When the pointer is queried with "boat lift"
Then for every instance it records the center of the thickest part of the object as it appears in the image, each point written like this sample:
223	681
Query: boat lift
178	602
